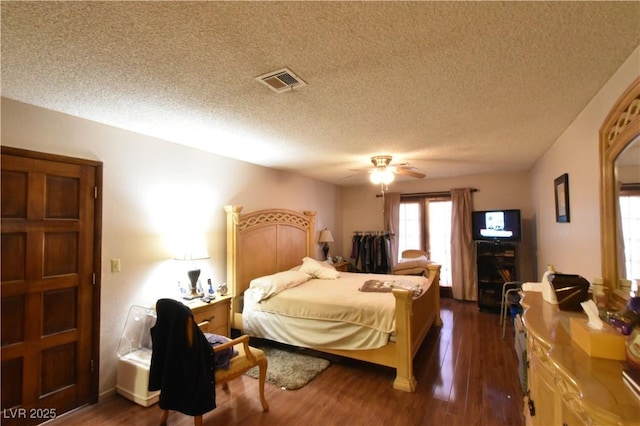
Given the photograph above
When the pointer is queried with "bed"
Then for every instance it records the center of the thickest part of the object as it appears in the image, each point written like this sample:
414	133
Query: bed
268	242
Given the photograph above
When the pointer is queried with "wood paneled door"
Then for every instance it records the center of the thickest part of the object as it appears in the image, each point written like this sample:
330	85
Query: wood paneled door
50	284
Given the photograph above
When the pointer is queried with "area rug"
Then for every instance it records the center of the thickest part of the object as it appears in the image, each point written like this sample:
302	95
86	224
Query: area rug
288	369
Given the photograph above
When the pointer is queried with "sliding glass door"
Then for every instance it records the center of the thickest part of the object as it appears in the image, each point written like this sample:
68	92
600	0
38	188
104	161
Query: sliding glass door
425	224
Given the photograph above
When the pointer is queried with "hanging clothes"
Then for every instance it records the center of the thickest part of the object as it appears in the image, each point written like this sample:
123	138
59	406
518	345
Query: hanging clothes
372	252
355	248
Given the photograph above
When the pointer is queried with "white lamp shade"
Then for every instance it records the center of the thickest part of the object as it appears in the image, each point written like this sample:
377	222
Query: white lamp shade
191	248
325	236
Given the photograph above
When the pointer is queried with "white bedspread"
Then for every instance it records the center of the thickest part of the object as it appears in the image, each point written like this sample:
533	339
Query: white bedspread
334	301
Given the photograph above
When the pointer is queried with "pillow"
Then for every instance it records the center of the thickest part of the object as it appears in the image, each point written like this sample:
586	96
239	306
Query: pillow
269	285
319	270
416	262
411	271
413	259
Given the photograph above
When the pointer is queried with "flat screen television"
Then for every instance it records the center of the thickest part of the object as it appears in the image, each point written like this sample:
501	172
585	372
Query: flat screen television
496	225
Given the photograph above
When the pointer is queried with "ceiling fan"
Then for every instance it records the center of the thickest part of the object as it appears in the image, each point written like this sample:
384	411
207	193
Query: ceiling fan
384	172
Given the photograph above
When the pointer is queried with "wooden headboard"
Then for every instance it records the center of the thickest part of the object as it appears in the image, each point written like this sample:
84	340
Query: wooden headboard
262	243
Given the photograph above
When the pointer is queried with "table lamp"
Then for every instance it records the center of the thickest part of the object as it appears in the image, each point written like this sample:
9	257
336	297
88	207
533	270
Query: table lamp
325	238
193	251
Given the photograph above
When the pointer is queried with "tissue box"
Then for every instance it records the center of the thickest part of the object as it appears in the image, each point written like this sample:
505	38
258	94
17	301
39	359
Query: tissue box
606	343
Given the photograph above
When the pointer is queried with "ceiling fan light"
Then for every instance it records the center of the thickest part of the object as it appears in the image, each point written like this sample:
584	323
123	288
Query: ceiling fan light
387	176
384	176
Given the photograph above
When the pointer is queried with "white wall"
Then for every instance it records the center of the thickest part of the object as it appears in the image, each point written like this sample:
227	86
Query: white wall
363	211
152	189
575	247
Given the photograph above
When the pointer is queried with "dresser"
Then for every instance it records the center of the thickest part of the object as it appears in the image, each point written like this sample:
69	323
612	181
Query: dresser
213	317
567	386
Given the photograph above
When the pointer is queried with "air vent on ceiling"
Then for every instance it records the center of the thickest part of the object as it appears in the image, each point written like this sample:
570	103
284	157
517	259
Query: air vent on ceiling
281	80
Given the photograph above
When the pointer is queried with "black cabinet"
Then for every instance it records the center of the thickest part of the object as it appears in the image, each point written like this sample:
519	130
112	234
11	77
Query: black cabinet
496	265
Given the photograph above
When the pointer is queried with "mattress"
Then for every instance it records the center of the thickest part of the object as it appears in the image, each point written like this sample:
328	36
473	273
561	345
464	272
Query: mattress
326	314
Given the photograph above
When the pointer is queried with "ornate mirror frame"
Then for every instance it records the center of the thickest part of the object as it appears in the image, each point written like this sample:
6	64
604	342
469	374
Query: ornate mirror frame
619	130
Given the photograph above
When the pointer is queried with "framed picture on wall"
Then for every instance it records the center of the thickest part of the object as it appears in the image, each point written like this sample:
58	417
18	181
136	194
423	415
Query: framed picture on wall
561	185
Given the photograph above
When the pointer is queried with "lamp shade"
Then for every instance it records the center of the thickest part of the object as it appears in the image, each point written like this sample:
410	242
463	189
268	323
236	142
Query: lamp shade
325	236
191	248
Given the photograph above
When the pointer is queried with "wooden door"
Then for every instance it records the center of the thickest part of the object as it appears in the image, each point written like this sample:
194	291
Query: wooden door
50	284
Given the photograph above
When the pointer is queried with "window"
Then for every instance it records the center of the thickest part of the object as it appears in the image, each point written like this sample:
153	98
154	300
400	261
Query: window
410	232
440	238
630	219
425	224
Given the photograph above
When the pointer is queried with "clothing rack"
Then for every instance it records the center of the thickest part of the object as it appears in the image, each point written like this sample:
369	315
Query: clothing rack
371	251
376	233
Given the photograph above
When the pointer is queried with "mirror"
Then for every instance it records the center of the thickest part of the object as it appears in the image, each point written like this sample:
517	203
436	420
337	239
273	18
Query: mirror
627	178
620	183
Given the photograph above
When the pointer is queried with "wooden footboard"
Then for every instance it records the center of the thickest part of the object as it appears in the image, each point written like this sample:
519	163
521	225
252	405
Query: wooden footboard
414	319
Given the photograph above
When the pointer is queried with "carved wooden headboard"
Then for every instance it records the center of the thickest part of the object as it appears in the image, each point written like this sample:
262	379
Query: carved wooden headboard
262	243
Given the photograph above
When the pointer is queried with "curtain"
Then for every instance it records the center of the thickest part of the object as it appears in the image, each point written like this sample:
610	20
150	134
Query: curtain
463	268
391	219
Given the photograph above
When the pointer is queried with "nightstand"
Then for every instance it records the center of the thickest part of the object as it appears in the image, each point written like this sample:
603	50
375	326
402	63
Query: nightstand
214	314
342	266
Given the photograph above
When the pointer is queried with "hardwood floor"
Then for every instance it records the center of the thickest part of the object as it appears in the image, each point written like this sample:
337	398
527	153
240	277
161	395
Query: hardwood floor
467	375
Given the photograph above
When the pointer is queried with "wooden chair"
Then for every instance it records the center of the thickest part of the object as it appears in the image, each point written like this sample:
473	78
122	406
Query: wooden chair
410	263
247	358
412	254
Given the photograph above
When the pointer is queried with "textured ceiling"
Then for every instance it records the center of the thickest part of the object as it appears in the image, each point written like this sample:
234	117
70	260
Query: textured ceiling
454	88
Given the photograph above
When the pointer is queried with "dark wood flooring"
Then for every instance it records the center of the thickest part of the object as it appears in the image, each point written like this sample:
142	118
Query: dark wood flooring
467	375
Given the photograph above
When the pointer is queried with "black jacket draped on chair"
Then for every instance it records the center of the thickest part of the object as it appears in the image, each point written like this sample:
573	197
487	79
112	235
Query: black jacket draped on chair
184	374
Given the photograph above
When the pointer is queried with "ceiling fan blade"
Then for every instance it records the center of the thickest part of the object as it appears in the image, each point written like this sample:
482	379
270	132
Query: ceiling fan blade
409	171
348	176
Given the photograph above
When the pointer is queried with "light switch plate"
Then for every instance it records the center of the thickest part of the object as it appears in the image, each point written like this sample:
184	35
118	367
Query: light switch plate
115	265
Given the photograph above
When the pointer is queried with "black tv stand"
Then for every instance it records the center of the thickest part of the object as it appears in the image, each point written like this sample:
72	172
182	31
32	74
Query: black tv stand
495	265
